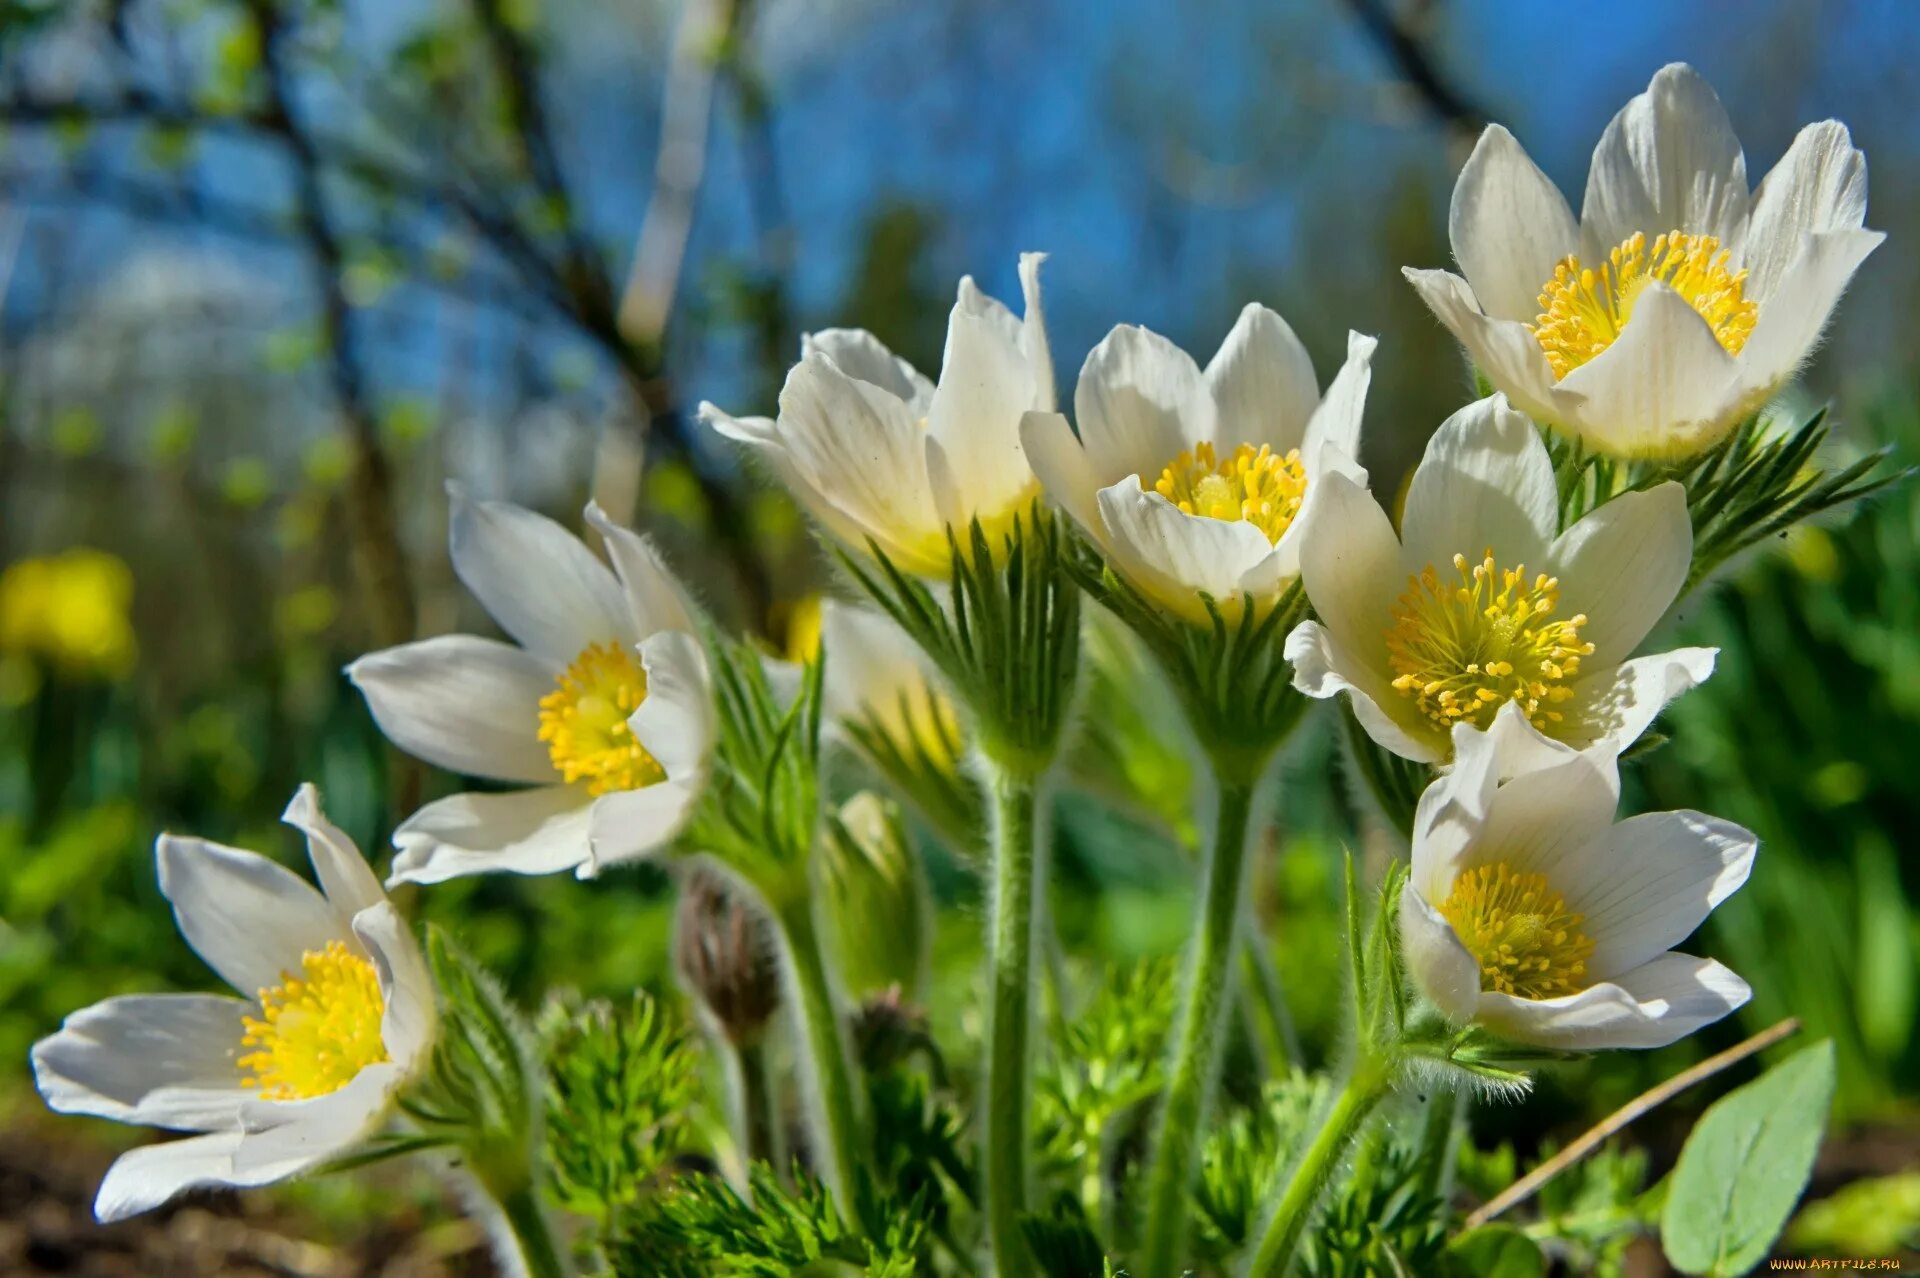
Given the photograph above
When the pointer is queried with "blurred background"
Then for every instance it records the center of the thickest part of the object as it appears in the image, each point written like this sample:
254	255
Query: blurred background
273	271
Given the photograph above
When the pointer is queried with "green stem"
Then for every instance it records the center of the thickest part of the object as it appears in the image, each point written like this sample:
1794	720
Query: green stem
1009	1015
1196	1054
1262	984
759	1116
1365	1087
825	1058
531	1232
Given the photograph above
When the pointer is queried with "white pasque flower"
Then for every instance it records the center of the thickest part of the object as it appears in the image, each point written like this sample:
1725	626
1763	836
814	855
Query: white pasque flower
1679	302
603	707
878	683
1530	912
336	1013
1478	602
873	450
1195	482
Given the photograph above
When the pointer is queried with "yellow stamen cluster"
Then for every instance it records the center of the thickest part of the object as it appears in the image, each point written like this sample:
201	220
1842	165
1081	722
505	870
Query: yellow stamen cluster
1460	651
1582	311
1261	486
1520	932
584	722
315	1031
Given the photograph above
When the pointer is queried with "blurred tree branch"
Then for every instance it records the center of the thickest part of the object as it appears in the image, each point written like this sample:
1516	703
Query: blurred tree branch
1405	43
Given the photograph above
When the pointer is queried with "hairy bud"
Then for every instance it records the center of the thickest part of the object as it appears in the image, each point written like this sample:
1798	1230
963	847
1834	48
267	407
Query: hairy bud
723	950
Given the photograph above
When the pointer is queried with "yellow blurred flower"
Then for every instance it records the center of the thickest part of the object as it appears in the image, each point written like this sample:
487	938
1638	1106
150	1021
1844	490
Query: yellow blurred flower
72	609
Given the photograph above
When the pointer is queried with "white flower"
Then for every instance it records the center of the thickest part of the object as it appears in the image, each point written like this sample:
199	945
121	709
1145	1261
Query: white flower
1678	303
603	708
1478	602
1529	912
1192	481
336	1012
879	684
872	449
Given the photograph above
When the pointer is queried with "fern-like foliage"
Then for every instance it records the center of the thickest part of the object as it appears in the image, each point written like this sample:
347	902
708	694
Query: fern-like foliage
1381	1220
1245	1151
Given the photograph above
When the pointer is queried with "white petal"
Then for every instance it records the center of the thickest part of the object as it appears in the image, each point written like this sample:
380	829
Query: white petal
860	354
1174	555
1467	817
1652	1006
1484	483
763	439
1321	669
1645	884
1792	319
871	661
1613	707
655	598
1505	351
1140	403
756	432
249	918
535	578
463	703
1668	162
1335	422
629	825
1064	468
864	454
286	1137
407	1026
1441	967
1263	384
1819	185
675	721
144	1178
1623	566
164	1060
345	877
1659	390
1509	225
539	831
1033	334
986	385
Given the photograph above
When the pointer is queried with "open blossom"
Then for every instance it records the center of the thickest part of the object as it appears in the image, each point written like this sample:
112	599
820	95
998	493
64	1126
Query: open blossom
1679	302
602	708
1478	603
1195	482
873	450
1530	912
335	1013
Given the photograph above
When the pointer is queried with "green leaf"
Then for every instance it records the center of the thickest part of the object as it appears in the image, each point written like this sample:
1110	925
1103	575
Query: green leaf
1745	1165
1494	1251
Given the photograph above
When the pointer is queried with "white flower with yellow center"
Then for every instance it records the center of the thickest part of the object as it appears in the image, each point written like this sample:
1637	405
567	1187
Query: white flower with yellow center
1679	302
603	708
1477	603
873	450
1530	912
336	1012
1194	481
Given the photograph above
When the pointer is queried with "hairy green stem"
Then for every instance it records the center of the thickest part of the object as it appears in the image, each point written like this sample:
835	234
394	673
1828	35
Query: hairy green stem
1263	991
532	1234
1011	934
825	1057
1196	1054
759	1112
1366	1086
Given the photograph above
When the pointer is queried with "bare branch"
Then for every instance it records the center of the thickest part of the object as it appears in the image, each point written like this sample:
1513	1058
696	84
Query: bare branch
1419	68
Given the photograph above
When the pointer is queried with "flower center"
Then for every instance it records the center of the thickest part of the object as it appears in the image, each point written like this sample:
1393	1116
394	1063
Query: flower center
1519	930
1460	651
1262	487
1582	311
584	721
315	1031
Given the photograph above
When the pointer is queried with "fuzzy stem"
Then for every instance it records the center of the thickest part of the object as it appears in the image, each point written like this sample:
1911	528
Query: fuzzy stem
1264	992
759	1121
1011	929
824	1053
1196	1054
539	1254
1366	1086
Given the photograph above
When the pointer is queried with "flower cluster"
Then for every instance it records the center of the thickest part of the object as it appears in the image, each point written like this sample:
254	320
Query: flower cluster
1492	643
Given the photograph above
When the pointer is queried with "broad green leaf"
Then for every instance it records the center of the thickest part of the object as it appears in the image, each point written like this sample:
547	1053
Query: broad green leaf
1494	1251
1745	1165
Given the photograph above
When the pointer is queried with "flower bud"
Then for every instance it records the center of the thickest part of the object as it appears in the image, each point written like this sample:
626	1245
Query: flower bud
724	953
875	898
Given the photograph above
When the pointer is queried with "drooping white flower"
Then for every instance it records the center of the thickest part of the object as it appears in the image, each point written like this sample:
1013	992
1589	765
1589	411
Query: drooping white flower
1679	302
1477	602
872	449
1195	482
603	708
1530	912
336	1012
